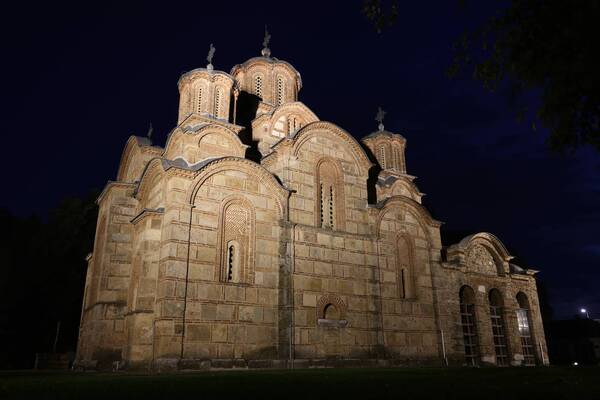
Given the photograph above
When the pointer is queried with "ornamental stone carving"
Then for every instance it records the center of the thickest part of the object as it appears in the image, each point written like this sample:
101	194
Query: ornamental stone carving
480	260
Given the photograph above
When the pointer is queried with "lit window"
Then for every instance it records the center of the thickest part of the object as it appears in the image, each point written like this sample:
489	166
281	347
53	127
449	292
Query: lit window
524	324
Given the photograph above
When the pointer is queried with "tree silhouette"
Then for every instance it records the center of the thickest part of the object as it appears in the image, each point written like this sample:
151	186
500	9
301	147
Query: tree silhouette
43	275
533	46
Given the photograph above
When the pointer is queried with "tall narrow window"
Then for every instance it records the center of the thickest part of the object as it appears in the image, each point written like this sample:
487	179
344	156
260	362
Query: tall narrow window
398	159
199	100
231	262
382	157
280	90
404	268
322	206
258	86
293	124
218	99
469	327
236	251
525	330
498	334
329	207
403	283
331	210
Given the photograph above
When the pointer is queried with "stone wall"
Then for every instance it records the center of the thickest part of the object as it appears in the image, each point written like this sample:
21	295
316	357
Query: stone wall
207	259
102	334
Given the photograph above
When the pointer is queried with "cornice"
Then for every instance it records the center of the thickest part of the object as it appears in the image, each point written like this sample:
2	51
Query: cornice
114	184
147	212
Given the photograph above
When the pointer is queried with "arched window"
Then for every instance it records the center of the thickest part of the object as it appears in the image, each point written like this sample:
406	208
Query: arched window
524	321
293	124
498	331
280	90
382	159
469	326
236	254
218	100
330	199
258	86
199	99
400	155
404	268
397	159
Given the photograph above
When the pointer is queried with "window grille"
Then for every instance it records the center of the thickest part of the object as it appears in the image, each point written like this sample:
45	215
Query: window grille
199	100
525	334
258	86
322	201
499	336
230	262
218	96
467	318
331	207
280	90
382	157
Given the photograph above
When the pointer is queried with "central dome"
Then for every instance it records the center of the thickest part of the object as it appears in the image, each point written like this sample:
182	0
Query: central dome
274	81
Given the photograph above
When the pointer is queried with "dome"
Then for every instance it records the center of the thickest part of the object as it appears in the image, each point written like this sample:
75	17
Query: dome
274	81
206	92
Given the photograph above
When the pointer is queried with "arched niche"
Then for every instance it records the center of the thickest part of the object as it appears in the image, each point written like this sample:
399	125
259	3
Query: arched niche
331	311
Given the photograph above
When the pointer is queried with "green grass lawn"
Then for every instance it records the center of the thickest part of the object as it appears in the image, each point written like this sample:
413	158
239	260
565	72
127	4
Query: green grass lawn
400	383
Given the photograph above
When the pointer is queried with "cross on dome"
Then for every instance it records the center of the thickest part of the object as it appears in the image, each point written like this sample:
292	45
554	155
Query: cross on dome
379	117
209	57
266	52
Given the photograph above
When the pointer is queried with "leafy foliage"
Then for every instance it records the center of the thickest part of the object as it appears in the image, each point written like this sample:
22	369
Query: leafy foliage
381	17
542	46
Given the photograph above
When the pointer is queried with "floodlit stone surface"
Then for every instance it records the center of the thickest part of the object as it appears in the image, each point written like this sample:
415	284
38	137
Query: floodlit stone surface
204	258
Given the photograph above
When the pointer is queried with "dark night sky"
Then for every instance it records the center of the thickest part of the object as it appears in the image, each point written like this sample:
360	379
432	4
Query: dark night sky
77	80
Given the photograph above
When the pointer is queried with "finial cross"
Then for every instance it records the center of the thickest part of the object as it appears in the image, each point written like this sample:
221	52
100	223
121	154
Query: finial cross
379	117
211	54
267	38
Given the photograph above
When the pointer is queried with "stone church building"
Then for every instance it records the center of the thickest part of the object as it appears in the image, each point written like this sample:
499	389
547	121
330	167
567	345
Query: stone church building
262	236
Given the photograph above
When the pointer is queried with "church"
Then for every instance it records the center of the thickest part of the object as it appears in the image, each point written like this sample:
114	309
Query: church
260	236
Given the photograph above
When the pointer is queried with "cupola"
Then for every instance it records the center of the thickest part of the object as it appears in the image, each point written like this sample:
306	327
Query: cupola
274	82
387	147
206	92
